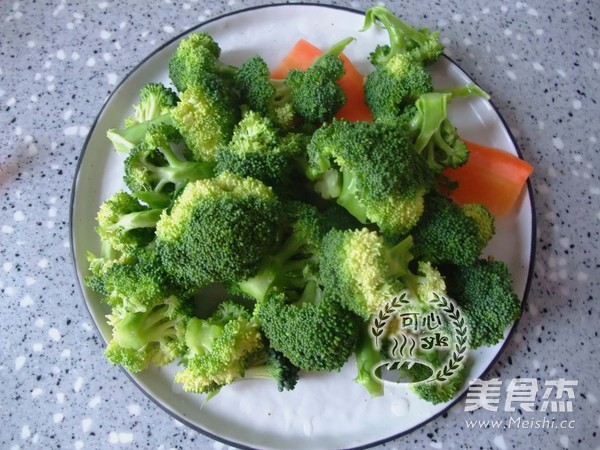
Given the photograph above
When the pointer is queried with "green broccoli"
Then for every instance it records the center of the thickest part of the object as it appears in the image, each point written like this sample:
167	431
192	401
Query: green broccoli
372	170
361	270
273	365
291	264
155	100
134	282
433	391
435	138
314	333
219	349
218	230
258	150
484	292
125	224
153	336
449	233
152	167
205	117
196	57
313	94
400	74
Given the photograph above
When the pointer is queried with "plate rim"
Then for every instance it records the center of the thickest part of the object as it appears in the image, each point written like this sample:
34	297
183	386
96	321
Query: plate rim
181	418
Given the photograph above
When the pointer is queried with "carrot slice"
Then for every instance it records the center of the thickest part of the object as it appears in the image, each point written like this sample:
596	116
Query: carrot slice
490	177
301	57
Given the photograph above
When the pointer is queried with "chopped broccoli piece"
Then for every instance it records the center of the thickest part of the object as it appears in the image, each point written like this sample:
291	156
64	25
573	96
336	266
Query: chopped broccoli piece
205	117
313	94
154	336
125	224
219	349
485	293
153	166
218	230
361	270
434	391
258	150
274	366
367	359
448	233
314	333
373	171
135	282
155	100
400	74
196	57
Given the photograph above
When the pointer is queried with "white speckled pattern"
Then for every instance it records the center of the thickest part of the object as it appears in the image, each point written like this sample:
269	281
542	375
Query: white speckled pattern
60	60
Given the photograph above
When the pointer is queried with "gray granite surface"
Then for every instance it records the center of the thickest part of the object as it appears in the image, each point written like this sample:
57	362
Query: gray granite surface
59	60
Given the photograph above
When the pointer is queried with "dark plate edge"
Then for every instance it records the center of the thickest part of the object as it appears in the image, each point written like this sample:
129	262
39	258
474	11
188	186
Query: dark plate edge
174	414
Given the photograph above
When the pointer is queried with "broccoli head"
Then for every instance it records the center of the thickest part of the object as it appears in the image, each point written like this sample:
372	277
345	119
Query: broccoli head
372	170
435	138
258	150
484	292
196	57
449	233
314	333
153	166
218	230
218	350
155	100
400	74
150	337
205	117
135	282
125	224
361	270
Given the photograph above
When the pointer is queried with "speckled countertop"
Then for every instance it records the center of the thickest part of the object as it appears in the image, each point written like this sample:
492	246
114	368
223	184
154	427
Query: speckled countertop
60	60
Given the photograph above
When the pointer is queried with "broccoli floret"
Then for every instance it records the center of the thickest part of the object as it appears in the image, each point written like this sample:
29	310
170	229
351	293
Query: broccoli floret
218	230
434	391
449	233
154	167
258	150
196	57
361	270
205	117
372	170
219	349
155	100
125	224
274	366
313	94
314	333
400	74
316	95
435	138
484	292
423	44
134	282
290	265
154	336
269	97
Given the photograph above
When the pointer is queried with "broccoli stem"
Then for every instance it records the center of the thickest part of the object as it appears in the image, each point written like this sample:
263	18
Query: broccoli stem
367	358
348	196
335	50
126	138
140	219
396	28
398	258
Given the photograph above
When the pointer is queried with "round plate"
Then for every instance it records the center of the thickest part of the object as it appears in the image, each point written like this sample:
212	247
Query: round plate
326	410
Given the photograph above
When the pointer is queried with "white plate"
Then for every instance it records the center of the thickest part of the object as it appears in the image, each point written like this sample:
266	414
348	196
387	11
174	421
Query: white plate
325	410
